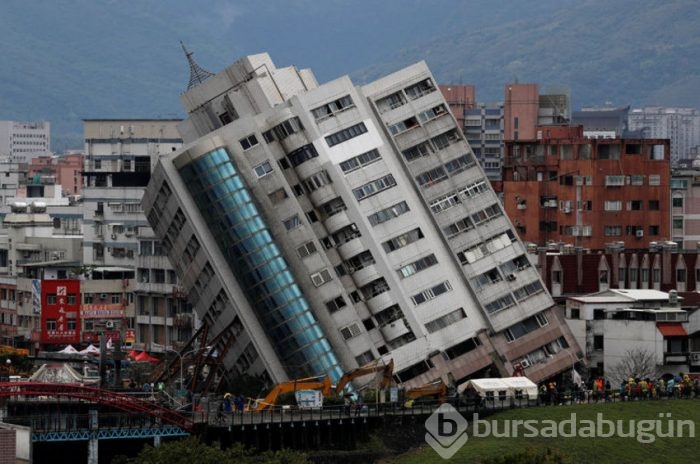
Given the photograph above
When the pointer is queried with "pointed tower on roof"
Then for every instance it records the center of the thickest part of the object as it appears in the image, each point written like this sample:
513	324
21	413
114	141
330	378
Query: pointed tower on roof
197	74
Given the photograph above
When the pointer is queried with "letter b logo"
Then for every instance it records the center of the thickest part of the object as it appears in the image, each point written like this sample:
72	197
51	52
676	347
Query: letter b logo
447	431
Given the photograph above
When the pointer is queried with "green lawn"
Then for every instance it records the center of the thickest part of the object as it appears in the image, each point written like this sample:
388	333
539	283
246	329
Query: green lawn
582	450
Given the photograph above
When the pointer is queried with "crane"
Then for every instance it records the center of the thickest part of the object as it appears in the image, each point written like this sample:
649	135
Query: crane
387	371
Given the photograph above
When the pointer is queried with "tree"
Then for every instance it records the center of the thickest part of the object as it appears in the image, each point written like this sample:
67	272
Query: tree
637	363
191	451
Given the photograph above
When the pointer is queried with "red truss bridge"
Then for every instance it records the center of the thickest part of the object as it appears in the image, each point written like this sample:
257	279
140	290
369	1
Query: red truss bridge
119	401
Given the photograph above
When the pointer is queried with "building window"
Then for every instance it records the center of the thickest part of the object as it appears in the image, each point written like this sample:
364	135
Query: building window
677	202
331	109
598	343
302	154
365	358
634	205
51	325
287	128
603	276
654	180
346	134
445	202
431	177
263	169
306	249
316	181
360	161
417	151
556	277
268	136
613	205
388	213
678	222
680	275
336	304
612	231
417	266
654	230
653	205
431	293
51	299
402	240
445	321
374	187
353	330
248	142
636	180
321	277
292	222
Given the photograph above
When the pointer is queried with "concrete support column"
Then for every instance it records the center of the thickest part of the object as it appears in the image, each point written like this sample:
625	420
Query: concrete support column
156	441
92	443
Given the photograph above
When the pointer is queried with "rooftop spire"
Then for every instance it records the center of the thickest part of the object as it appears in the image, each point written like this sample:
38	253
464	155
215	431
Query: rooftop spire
197	74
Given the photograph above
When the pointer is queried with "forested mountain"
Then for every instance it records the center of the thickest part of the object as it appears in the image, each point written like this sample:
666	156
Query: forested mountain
68	60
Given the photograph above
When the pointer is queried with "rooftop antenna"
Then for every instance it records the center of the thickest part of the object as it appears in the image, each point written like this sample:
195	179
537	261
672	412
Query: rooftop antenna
197	74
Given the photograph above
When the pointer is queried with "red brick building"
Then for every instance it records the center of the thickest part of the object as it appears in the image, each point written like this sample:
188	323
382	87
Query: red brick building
562	187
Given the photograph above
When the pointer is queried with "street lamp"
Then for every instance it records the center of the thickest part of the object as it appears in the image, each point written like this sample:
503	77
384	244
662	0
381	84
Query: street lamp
183	355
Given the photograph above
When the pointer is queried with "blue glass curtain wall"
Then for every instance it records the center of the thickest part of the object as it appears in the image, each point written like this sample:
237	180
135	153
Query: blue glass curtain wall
255	260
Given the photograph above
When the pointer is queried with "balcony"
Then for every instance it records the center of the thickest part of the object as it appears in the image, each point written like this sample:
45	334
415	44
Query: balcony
322	195
351	248
365	275
394	330
336	222
379	302
676	358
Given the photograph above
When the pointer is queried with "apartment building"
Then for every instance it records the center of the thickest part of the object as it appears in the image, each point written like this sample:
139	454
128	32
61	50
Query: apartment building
23	141
326	226
680	125
564	187
124	258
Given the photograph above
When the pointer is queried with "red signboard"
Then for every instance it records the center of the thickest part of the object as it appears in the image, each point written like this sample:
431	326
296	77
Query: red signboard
60	311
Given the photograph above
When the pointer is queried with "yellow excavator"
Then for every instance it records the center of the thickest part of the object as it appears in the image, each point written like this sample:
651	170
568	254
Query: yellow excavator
310	383
387	371
436	389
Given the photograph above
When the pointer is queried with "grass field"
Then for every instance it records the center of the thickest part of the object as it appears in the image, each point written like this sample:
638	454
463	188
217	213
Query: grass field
582	450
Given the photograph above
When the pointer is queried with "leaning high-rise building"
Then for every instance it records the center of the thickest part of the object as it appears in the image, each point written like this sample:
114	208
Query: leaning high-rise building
320	227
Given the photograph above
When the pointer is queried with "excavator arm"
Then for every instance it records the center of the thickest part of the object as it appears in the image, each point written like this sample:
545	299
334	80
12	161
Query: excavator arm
386	370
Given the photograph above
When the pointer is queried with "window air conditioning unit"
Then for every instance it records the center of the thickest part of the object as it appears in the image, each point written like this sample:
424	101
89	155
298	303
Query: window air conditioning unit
511	277
109	324
524	363
114	236
103	296
639	233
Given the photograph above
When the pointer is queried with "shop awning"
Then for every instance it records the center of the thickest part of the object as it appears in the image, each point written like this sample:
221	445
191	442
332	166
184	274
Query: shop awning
671	329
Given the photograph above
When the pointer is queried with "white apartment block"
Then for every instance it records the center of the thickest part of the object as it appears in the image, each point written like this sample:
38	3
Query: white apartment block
119	243
680	125
22	141
326	226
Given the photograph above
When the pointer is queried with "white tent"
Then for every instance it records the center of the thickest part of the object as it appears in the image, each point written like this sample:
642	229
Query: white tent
68	349
91	349
507	386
